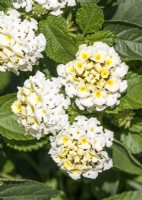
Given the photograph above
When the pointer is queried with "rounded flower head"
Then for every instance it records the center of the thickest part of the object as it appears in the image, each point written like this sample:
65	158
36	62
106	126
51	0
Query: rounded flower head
55	6
20	47
40	106
79	149
95	78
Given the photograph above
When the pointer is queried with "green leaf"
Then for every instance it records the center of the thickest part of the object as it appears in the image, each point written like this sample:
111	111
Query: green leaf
60	46
129	10
4	80
124	161
133	142
21	190
90	18
28	145
123	22
106	184
84	2
133	98
9	127
128	41
101	36
5	4
132	195
136	126
48	67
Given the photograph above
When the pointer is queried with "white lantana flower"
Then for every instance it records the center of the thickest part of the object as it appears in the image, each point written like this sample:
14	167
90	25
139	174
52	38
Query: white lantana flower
79	149
40	106
95	78
55	6
20	47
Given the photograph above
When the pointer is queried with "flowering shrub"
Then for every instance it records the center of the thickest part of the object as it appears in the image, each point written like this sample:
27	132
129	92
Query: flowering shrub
71	99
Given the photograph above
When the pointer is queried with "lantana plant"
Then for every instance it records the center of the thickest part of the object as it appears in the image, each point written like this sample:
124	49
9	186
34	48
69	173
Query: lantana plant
71	100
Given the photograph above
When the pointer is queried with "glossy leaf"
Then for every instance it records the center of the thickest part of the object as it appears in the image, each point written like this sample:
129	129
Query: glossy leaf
124	161
128	40
132	195
133	142
130	11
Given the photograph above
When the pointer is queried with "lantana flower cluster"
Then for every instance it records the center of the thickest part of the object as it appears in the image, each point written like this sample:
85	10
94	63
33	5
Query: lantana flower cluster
95	78
79	150
55	6
40	106
20	47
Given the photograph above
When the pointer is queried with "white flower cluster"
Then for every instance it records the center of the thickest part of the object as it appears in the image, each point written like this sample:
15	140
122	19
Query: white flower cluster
55	6
79	150
95	77
40	106
20	48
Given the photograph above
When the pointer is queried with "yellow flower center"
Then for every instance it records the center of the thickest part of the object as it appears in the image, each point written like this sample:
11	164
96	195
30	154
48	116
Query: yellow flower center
65	139
38	99
110	82
75	171
104	73
67	165
18	107
79	65
98	94
8	38
108	62
82	89
84	141
84	55
98	57
71	70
